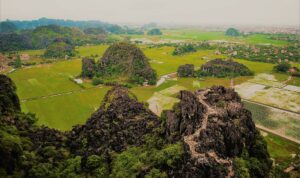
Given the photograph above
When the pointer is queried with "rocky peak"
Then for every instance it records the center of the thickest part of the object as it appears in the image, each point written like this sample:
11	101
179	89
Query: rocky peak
120	121
215	129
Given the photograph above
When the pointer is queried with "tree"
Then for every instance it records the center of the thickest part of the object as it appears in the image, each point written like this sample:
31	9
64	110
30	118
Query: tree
18	62
282	67
154	31
232	32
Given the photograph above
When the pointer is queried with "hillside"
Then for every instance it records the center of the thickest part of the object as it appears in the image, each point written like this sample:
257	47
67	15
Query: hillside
224	68
126	63
208	133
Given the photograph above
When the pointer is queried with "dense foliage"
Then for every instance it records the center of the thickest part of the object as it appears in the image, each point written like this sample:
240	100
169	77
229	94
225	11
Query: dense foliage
7	27
95	31
14	42
282	67
60	48
232	32
186	70
154	31
182	49
223	68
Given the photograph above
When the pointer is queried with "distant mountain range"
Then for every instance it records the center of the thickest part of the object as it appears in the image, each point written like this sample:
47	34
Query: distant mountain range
31	24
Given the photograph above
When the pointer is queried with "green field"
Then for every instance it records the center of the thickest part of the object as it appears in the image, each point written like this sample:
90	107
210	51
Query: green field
280	149
46	79
200	35
63	112
282	122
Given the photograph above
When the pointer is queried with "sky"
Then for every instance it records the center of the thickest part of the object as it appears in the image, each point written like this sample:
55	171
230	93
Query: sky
177	12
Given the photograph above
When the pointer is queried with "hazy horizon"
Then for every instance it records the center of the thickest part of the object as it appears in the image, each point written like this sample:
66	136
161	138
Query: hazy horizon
176	12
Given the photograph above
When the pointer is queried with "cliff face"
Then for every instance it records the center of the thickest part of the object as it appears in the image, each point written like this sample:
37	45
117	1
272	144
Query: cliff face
215	130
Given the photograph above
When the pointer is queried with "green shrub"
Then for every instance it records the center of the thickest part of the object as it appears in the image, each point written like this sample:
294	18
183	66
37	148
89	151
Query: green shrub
282	67
97	81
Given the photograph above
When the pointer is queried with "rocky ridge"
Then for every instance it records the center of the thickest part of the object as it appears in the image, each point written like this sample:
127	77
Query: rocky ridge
214	131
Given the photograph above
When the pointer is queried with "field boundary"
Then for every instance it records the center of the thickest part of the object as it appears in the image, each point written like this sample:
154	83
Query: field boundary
270	106
59	94
260	127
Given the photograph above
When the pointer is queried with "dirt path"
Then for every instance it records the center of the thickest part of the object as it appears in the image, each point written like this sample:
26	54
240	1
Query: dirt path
289	79
164	78
190	139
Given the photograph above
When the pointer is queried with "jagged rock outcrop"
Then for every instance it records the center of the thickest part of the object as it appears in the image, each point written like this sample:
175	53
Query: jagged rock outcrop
120	121
126	63
215	129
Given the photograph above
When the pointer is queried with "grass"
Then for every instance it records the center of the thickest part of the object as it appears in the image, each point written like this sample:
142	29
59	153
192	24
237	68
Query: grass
164	62
63	112
33	52
85	51
263	39
281	149
46	79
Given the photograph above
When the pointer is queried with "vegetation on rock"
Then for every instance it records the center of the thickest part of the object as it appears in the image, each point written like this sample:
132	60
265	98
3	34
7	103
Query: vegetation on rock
186	70
127	63
223	68
88	68
60	48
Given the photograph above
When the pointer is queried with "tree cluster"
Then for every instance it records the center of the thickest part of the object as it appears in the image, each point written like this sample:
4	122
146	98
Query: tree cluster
154	31
232	32
186	70
183	49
